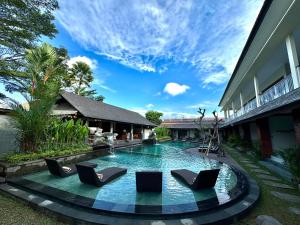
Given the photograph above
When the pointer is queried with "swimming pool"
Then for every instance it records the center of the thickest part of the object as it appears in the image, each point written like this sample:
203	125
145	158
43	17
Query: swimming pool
120	195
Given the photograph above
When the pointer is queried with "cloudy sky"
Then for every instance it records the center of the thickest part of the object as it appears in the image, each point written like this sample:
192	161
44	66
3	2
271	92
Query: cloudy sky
166	55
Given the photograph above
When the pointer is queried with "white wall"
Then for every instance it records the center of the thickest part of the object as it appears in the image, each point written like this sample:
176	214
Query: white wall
147	132
8	141
282	132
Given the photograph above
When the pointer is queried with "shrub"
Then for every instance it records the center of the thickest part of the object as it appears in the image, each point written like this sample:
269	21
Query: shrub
60	134
24	157
257	150
234	140
162	132
292	160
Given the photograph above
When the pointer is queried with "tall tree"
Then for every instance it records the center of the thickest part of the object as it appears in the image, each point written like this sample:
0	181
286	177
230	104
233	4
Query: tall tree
52	61
44	70
81	78
154	117
22	23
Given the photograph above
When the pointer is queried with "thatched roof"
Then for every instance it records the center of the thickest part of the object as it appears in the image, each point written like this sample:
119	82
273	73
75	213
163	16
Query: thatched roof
98	110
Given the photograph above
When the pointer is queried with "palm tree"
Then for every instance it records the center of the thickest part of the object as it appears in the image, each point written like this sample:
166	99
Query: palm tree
82	76
45	71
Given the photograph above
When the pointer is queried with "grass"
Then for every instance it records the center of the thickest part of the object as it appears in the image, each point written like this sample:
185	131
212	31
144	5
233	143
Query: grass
267	204
14	211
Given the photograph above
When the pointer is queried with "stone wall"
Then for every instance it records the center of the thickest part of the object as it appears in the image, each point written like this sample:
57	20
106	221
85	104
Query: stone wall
10	170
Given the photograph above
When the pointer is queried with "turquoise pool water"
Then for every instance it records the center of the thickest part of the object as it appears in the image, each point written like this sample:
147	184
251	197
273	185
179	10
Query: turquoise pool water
162	157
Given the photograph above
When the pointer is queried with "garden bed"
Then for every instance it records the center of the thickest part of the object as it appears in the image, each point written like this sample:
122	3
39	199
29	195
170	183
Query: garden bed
164	139
10	169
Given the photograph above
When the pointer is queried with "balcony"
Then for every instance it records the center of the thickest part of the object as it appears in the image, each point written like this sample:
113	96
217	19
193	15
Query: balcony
280	88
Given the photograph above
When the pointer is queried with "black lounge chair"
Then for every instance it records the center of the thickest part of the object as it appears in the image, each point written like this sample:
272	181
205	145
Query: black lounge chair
148	181
87	175
205	179
58	170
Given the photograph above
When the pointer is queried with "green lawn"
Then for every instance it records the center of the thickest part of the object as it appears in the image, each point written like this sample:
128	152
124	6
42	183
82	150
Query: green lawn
267	204
14	211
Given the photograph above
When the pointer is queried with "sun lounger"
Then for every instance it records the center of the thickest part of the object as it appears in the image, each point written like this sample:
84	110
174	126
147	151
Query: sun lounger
57	170
148	181
205	179
87	175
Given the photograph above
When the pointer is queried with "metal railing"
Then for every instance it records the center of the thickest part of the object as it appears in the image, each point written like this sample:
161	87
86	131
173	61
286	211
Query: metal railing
282	87
250	105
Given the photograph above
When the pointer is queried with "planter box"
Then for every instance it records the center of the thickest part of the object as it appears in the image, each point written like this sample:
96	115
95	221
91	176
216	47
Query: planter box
11	170
164	140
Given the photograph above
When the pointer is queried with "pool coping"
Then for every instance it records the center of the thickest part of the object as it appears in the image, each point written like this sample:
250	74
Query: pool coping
235	193
224	215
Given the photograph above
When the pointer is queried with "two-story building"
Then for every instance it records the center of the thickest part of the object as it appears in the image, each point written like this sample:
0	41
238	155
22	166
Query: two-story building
262	99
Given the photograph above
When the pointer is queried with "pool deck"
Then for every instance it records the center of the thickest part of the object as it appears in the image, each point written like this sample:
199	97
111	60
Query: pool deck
78	215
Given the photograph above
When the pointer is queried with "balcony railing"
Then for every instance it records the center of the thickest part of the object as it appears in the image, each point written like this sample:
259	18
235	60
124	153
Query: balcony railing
280	88
250	105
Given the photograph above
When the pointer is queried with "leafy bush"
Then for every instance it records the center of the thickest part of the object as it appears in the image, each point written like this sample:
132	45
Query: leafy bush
292	159
257	150
24	157
61	133
234	140
162	132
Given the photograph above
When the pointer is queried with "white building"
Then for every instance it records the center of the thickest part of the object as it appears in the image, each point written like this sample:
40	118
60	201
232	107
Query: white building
262	99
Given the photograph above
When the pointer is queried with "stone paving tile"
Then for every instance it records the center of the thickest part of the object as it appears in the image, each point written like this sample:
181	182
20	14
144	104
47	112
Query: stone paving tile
268	177
277	185
260	171
246	161
286	197
294	210
252	166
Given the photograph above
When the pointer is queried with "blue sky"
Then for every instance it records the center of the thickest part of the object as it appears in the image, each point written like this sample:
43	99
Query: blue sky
170	56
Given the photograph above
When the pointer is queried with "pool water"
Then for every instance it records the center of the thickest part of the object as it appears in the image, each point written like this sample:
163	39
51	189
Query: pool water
160	157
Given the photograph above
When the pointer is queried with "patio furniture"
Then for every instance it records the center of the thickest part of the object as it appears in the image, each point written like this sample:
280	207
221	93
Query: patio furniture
205	179
148	181
87	174
57	170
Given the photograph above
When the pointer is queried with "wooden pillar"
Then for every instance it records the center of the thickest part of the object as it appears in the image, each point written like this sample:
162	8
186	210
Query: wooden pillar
263	132
296	118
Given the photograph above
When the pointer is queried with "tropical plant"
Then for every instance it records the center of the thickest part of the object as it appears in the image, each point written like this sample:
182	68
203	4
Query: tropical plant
44	70
22	23
82	76
65	133
162	132
234	140
154	117
292	159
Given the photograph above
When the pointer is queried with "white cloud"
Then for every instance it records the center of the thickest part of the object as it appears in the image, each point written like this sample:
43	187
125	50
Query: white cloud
215	78
100	83
91	62
175	89
151	34
149	105
205	104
